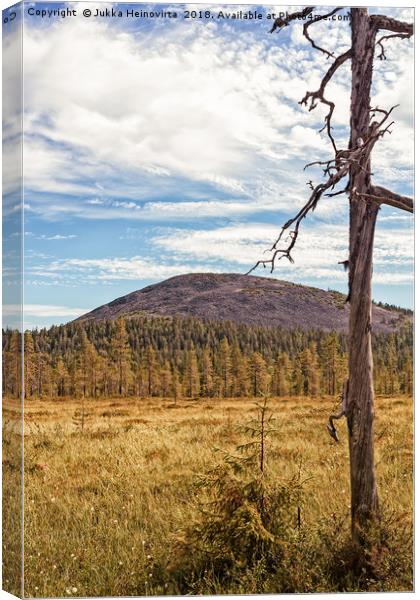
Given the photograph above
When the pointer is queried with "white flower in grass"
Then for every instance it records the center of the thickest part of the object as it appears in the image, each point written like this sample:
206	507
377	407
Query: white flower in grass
74	590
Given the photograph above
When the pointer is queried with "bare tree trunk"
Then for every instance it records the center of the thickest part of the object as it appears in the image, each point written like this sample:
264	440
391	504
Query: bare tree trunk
363	213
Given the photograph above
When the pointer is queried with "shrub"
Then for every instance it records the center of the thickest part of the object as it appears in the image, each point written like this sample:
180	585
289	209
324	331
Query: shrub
245	522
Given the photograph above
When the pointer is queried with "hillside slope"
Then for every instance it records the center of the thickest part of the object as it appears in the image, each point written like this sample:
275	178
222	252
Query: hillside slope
243	299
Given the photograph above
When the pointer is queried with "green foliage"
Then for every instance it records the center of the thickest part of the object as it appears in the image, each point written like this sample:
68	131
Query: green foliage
246	520
148	356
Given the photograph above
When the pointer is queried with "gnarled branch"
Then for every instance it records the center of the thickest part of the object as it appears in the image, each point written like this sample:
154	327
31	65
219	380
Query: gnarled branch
344	160
313	97
385	196
343	412
316	20
382	55
390	24
318	191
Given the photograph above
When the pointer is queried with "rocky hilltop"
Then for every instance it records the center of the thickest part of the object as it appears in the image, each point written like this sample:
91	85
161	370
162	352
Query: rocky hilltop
245	299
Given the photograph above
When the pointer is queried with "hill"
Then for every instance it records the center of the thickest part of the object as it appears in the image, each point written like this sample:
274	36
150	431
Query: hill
257	301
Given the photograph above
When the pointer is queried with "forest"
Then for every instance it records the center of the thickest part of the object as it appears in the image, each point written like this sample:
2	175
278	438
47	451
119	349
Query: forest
147	356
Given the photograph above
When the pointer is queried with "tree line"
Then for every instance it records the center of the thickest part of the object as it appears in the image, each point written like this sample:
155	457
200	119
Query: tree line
184	357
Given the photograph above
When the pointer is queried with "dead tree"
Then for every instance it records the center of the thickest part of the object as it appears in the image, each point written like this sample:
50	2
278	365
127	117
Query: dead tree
352	166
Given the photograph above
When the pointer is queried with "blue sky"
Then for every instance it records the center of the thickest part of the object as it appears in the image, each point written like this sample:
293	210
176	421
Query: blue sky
155	147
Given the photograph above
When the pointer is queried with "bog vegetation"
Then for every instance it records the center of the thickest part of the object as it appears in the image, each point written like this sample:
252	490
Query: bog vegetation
204	496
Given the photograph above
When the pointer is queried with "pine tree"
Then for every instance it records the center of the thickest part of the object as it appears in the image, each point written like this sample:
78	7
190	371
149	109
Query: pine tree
176	387
329	354
309	371
165	378
392	368
192	376
151	366
225	367
207	374
12	364
121	354
296	379
280	385
60	377
30	365
258	374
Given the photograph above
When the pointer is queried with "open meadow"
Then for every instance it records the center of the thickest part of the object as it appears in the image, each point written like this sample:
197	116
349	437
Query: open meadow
125	506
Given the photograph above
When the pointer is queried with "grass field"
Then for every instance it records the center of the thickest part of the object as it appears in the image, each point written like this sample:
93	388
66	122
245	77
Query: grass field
105	509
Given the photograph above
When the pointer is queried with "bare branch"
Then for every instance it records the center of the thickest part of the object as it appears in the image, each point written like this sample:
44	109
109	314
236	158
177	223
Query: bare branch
382	55
385	196
311	204
375	132
280	23
344	161
336	193
389	24
315	20
314	97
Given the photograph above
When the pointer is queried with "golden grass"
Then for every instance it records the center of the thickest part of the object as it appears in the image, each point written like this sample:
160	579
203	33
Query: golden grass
102	508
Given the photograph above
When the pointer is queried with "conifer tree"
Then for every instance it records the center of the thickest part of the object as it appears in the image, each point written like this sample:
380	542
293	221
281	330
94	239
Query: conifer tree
258	374
151	365
165	379
176	387
392	368
192	376
225	367
60	377
30	365
329	354
12	367
309	371
207	374
280	385
121	354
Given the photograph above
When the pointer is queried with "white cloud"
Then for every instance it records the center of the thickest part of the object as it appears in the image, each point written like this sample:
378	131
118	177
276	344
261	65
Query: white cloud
102	270
208	104
316	254
43	310
57	236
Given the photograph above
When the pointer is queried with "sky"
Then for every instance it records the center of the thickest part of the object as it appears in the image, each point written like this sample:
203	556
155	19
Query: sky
155	147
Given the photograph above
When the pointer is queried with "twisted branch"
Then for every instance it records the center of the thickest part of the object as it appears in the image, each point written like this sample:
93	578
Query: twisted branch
344	161
384	196
390	24
403	36
343	412
338	168
311	204
318	95
315	20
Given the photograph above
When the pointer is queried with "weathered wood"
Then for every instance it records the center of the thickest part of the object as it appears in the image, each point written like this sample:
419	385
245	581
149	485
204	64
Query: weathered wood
365	200
363	213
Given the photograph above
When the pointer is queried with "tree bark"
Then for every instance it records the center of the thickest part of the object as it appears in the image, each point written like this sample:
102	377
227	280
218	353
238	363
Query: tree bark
363	213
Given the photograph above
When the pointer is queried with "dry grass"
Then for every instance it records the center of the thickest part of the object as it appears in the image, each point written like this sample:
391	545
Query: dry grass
102	508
